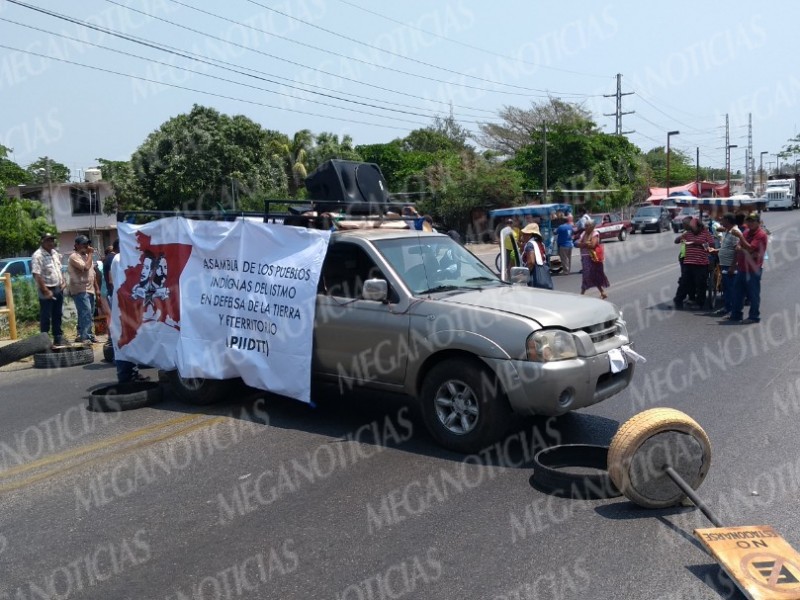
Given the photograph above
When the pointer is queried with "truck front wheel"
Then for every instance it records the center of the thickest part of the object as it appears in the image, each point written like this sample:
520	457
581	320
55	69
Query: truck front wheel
463	406
196	390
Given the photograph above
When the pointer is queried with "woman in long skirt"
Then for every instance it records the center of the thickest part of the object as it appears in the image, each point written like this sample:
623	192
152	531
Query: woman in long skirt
594	275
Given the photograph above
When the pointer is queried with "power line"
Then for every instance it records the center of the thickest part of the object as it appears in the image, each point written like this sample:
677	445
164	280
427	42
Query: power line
208	35
189	89
397	54
173	50
237	82
645	100
471	46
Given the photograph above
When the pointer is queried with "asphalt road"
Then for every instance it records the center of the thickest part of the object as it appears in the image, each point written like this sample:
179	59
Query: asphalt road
352	500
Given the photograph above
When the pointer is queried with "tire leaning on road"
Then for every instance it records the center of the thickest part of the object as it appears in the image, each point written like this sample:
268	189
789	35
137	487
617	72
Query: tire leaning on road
64	358
648	443
125	396
24	348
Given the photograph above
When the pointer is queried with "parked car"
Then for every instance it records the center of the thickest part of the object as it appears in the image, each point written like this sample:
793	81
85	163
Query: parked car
19	267
611	226
651	218
686	211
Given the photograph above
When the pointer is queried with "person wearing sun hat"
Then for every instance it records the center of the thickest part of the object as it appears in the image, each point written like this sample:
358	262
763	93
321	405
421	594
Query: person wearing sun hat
46	268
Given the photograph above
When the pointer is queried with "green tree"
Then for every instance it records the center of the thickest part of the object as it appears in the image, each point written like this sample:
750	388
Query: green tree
46	170
459	184
22	223
10	172
518	126
126	192
327	146
580	157
193	159
293	157
681	169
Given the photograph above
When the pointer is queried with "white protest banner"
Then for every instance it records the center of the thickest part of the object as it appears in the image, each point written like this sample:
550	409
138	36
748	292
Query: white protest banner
236	299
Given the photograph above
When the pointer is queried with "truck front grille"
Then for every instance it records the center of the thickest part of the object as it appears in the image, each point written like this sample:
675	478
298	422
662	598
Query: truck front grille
601	331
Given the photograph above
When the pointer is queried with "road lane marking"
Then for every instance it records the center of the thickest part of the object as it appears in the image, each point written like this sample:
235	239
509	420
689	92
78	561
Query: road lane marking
127	449
83	450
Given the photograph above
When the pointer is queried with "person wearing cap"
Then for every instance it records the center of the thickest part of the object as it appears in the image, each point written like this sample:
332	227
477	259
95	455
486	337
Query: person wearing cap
46	268
82	286
749	264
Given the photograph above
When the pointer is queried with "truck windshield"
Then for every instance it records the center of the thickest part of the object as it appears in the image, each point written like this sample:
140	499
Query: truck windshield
428	264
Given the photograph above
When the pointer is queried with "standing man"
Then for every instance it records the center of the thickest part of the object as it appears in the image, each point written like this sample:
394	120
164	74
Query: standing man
727	260
46	267
82	286
107	268
564	233
749	263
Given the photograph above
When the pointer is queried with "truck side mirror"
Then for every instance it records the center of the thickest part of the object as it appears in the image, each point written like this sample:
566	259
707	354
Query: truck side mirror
519	275
375	289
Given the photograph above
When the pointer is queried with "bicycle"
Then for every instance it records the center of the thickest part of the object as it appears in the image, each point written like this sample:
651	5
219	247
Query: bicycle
713	283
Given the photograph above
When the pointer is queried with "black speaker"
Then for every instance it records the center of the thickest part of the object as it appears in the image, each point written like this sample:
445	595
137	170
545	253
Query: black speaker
356	188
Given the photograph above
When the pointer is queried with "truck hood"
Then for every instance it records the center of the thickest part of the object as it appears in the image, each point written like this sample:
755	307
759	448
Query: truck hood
549	309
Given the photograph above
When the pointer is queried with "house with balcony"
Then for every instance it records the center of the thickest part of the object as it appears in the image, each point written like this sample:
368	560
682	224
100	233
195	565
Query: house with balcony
75	208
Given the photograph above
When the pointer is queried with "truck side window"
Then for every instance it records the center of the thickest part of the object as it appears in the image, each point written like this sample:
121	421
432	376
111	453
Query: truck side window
345	269
16	269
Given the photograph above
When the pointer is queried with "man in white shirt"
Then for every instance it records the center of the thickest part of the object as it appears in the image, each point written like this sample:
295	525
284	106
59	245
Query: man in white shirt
46	268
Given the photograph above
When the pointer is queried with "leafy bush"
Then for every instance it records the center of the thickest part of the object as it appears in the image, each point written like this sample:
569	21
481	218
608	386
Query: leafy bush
26	300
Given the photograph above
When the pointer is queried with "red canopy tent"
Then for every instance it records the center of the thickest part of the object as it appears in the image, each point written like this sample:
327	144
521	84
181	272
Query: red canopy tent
705	189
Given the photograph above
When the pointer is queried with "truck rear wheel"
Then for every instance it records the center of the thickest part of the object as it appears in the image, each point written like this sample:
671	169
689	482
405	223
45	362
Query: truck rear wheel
196	390
463	406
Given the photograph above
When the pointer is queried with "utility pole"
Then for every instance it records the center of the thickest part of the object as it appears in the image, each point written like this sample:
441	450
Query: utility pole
544	128
618	113
751	162
727	154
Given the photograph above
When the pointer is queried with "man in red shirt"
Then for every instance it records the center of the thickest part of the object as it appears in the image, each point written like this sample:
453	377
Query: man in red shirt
694	271
749	264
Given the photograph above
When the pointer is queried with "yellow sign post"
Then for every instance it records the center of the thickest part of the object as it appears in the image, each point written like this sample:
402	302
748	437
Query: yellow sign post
757	558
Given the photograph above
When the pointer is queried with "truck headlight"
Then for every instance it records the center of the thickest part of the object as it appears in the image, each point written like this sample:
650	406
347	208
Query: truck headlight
551	345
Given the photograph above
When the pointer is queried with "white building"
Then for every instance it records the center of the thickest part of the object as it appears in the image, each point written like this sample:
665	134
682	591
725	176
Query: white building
74	209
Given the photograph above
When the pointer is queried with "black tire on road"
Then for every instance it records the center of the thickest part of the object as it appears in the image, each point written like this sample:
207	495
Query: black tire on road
24	348
575	471
623	235
648	443
125	396
64	358
463	406
198	391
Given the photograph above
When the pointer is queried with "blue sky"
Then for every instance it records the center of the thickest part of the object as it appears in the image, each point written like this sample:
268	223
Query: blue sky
688	64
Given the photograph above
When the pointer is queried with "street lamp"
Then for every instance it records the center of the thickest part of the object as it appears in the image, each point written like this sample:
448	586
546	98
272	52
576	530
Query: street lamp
777	164
728	166
669	135
761	168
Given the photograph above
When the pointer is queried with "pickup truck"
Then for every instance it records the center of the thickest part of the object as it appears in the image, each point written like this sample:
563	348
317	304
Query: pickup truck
418	314
19	267
612	226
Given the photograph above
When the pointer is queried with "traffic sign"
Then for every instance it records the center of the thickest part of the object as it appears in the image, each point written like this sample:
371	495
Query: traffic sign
757	558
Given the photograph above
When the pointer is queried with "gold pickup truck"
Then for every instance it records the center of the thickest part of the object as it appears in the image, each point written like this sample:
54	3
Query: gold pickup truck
417	313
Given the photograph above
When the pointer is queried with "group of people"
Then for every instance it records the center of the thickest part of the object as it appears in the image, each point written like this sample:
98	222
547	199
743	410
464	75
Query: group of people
739	248
568	236
84	286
